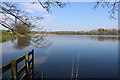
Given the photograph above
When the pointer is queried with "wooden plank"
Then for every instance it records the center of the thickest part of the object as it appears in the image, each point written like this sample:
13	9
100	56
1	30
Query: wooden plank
30	53
33	64
5	68
42	75
31	74
31	61
21	70
27	66
10	78
23	77
14	69
20	59
31	67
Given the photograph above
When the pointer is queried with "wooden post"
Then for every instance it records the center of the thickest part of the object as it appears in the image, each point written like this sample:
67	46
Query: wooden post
27	67
33	64
14	69
42	75
13	66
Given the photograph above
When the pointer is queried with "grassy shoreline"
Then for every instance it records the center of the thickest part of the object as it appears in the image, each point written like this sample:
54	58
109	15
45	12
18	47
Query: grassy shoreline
7	36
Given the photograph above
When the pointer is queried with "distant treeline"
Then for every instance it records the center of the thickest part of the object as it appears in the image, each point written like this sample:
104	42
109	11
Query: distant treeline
100	31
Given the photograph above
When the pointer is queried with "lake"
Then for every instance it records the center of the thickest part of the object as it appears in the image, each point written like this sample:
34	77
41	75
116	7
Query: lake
87	56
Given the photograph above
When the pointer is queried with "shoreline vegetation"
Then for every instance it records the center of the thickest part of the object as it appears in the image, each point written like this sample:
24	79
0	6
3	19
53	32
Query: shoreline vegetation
6	35
100	31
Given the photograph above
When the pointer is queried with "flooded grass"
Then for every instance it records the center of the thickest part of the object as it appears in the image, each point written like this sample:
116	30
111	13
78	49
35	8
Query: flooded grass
8	36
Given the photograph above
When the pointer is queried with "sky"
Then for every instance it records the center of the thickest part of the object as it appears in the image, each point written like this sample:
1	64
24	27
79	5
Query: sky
75	16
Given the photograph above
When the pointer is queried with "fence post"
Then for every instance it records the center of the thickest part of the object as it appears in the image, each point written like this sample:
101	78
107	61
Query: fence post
27	67
33	64
14	69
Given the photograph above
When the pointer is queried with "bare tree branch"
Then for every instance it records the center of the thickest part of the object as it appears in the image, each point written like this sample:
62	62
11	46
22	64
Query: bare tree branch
113	6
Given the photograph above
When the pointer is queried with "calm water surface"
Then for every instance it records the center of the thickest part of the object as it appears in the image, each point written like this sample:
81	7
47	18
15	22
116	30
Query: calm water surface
90	56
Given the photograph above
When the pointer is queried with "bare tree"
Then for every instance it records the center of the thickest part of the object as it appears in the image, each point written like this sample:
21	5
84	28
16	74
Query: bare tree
11	13
48	3
113	6
21	28
23	22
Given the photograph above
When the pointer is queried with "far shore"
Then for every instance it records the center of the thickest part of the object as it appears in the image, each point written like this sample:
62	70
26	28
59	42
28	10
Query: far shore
100	31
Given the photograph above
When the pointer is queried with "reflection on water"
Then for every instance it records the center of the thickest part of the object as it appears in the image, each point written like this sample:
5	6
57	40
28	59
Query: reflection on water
98	55
93	37
22	42
37	41
42	41
40	60
105	38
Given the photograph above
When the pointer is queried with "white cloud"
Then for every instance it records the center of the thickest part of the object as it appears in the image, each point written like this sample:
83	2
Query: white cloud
28	10
46	15
34	7
48	19
38	21
2	16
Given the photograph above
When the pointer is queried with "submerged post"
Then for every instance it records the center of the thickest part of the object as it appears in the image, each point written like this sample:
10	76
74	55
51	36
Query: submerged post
27	66
33	64
14	69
